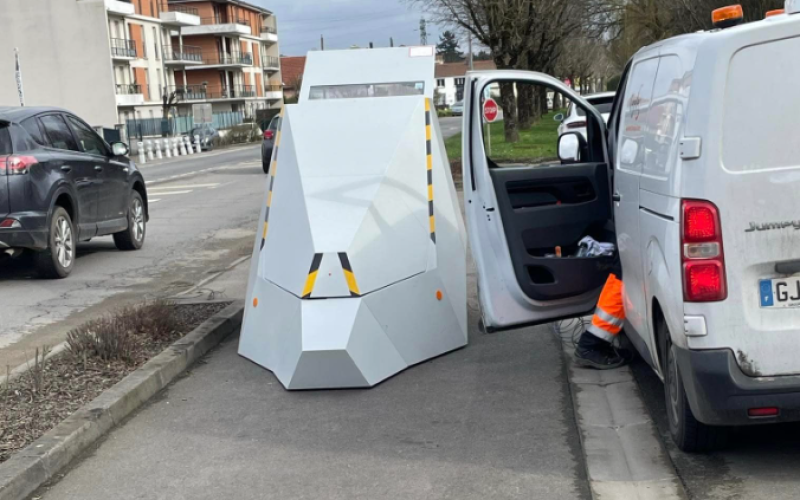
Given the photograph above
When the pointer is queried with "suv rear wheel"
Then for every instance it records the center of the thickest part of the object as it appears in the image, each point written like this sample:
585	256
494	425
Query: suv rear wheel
58	260
687	432
133	237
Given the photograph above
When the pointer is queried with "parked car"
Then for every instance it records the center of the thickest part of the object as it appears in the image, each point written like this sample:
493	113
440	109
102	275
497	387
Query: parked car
457	108
702	204
269	141
61	183
575	118
207	135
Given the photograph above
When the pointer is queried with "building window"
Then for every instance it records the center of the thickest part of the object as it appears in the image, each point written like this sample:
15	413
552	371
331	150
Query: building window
440	82
144	43
155	41
459	82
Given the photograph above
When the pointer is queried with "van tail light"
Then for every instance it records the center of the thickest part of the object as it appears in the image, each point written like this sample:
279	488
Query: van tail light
703	255
269	134
573	125
16	165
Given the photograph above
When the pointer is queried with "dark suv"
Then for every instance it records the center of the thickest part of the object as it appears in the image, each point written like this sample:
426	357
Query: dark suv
60	183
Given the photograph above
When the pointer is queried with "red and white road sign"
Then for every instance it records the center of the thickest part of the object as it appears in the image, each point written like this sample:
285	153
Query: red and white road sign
490	110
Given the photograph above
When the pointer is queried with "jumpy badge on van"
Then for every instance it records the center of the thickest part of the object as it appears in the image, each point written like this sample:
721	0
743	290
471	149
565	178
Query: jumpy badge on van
783	292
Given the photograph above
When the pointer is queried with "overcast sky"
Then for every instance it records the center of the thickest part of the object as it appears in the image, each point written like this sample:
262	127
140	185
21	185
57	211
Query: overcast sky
345	23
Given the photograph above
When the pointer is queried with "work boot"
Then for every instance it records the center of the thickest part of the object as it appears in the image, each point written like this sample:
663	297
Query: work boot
593	352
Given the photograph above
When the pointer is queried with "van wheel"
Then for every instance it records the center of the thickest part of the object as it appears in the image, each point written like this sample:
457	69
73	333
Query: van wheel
58	260
133	237
687	432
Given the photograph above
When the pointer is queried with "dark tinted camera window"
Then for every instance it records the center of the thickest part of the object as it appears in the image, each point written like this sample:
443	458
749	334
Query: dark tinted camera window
58	133
90	142
5	140
31	125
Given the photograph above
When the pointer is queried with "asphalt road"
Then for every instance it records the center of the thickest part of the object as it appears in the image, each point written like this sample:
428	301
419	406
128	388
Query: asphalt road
203	214
759	462
450	125
491	421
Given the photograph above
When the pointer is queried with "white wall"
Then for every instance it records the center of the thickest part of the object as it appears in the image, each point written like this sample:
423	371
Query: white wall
66	59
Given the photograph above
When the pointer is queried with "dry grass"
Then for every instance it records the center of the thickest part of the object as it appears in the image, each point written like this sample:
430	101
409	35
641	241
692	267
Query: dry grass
100	353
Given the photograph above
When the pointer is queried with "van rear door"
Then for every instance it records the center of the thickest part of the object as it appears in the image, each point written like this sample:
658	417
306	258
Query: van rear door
752	173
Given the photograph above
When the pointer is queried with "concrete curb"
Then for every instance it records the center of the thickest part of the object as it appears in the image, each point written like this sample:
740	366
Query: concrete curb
621	445
44	458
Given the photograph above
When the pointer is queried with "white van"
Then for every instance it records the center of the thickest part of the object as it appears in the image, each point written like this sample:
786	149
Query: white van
697	177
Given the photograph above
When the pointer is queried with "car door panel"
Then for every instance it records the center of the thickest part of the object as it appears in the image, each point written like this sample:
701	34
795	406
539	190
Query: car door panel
78	167
112	178
114	197
635	103
518	215
549	207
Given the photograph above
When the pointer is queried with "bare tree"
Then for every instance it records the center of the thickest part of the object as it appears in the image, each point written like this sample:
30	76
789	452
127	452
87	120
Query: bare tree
521	34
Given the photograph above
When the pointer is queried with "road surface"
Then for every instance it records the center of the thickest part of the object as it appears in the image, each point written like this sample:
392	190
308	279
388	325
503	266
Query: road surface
491	421
204	212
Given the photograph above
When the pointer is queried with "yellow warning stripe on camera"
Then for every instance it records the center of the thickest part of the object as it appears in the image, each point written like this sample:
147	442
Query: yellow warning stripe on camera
349	276
429	160
272	171
312	276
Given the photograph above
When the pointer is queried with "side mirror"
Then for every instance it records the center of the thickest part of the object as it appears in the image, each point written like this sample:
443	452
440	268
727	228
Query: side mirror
570	146
559	117
120	149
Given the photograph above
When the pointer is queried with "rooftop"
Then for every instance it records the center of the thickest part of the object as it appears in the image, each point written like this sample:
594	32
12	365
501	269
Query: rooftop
292	68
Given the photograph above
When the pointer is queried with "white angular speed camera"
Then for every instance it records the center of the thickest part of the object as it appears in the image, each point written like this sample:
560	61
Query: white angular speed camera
359	270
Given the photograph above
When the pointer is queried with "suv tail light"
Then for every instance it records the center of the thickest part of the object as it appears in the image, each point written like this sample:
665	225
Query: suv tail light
269	134
573	125
16	165
703	256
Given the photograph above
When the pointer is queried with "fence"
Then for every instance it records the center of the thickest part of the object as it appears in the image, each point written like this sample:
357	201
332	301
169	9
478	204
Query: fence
163	127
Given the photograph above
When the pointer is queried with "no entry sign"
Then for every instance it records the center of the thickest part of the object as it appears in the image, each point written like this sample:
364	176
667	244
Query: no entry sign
490	110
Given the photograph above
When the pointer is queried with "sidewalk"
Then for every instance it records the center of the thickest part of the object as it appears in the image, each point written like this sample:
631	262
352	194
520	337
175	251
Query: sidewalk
493	420
204	154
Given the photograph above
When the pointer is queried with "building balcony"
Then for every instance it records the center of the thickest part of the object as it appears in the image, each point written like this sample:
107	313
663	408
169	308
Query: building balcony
273	92
182	56
211	92
219	26
122	48
120	8
269	34
271	63
225	60
129	94
179	15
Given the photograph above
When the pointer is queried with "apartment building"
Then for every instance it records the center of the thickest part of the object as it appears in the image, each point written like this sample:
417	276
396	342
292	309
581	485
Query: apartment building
111	61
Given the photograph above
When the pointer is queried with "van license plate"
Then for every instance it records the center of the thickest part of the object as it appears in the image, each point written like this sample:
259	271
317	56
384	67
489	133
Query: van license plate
784	292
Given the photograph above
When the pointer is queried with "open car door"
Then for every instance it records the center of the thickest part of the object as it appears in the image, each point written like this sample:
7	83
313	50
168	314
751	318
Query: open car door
523	214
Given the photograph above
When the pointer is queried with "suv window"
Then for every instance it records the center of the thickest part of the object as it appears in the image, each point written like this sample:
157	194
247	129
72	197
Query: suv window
58	133
31	125
5	140
89	141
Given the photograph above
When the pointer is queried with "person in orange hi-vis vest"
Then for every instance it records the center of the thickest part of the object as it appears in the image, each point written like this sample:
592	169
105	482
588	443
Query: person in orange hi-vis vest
595	347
